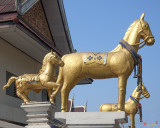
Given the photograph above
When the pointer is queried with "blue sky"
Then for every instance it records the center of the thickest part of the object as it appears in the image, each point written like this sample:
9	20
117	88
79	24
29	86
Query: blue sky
98	26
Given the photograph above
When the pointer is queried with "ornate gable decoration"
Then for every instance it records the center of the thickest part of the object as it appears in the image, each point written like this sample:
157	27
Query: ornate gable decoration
35	17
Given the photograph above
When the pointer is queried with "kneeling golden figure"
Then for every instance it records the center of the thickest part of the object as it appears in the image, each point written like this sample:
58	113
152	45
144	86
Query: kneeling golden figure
46	79
131	105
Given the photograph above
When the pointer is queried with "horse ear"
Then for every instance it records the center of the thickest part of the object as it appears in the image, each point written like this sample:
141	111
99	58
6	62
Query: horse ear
142	16
51	51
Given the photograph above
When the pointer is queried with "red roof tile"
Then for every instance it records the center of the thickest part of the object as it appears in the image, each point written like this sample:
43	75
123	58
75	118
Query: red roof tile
69	105
78	109
7	6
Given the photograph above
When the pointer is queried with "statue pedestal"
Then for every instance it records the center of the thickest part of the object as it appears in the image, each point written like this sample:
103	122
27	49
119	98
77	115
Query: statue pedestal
44	115
92	119
39	114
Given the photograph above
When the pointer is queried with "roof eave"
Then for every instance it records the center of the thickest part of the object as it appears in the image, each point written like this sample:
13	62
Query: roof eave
64	18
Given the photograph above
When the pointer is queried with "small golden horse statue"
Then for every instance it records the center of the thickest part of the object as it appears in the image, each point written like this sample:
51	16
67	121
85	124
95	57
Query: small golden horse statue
118	63
46	79
131	105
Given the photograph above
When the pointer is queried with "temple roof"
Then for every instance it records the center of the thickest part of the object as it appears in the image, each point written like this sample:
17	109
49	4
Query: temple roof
17	32
78	109
7	6
55	18
72	108
36	39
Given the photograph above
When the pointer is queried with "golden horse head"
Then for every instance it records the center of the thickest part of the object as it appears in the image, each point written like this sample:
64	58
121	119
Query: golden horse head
139	29
144	92
145	31
53	58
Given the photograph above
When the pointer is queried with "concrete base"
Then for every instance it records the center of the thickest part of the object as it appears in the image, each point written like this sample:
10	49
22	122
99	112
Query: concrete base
92	119
39	114
44	115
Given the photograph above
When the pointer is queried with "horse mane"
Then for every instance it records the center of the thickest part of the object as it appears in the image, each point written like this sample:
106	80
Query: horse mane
45	60
131	27
128	32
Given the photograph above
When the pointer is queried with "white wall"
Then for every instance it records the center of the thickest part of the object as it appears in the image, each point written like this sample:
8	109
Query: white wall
18	63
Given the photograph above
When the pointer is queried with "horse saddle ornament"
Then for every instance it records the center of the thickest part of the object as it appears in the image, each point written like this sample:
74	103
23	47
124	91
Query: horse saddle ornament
97	58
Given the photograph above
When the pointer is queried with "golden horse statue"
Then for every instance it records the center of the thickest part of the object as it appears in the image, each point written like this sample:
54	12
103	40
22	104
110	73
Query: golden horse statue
118	63
46	79
131	105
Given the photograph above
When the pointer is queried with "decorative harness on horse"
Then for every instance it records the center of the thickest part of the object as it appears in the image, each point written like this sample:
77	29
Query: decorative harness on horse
139	106
131	50
138	62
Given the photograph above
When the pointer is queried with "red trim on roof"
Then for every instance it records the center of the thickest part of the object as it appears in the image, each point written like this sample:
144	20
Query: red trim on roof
6	5
78	109
14	18
44	40
8	17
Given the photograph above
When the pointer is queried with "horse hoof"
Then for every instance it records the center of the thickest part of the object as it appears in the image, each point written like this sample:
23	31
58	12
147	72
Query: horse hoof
120	110
52	102
26	102
32	101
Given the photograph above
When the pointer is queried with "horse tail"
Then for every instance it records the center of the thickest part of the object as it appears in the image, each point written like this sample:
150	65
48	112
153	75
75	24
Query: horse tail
59	82
60	76
10	81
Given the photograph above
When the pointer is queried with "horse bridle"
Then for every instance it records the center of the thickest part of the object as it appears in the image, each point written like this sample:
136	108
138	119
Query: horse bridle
143	95
146	38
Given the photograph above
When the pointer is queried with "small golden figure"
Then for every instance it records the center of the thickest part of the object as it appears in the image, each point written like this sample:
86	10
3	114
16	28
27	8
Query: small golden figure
131	106
46	79
118	63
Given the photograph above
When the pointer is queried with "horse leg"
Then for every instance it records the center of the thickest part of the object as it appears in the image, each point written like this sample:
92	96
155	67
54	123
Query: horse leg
67	87
22	96
65	95
26	92
49	92
49	84
55	92
132	120
52	85
64	99
122	81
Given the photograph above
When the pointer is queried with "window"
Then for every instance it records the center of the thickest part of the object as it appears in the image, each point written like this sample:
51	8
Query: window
11	90
45	95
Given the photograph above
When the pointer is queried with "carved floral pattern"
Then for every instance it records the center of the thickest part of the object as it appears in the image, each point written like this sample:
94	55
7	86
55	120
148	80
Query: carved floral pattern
35	17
